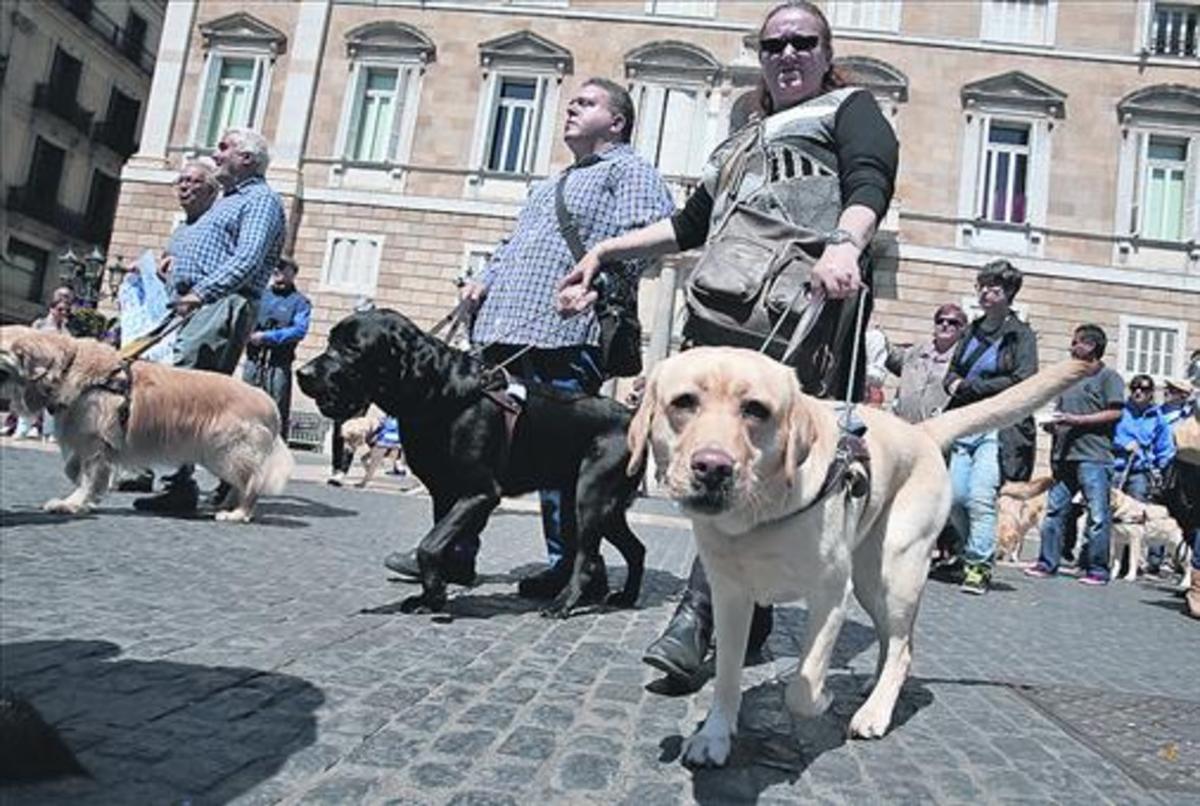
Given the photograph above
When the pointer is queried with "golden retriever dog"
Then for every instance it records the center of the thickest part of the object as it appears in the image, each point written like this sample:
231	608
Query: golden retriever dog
1019	508
1139	526
152	414
749	458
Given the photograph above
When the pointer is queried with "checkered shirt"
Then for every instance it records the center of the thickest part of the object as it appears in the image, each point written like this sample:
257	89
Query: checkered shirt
233	247
621	192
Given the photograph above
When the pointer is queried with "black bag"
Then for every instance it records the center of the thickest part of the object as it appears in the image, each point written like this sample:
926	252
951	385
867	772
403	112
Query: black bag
616	304
750	286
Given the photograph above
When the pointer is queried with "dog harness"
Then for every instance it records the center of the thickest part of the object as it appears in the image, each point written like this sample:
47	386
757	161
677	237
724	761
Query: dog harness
850	471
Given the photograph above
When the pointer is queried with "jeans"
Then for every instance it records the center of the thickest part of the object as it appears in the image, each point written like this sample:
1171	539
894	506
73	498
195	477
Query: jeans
975	479
1094	479
571	369
1137	484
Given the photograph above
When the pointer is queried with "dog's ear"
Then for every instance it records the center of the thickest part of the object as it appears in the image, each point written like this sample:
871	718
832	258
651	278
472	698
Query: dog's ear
798	434
639	429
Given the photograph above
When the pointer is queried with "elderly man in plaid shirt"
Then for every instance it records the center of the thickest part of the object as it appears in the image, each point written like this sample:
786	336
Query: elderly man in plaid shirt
608	191
220	266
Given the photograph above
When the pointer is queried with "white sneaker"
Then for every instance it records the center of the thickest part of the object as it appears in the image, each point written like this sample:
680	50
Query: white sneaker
336	479
33	433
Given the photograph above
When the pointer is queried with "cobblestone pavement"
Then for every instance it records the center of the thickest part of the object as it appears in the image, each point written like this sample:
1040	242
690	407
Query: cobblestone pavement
186	661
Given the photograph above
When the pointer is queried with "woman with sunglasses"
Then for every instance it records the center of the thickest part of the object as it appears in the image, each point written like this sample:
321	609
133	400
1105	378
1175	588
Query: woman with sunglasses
1143	449
819	154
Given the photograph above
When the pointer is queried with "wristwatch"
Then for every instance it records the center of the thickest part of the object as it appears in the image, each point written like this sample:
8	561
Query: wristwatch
840	235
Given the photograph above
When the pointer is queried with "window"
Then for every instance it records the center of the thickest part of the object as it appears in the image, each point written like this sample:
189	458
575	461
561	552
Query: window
1028	22
670	128
870	15
379	118
513	140
64	76
1004	184
1005	172
1174	29
1158	178
101	208
133	38
514	124
1153	346
681	8
475	258
1163	183
45	174
231	99
26	270
351	263
240	50
118	130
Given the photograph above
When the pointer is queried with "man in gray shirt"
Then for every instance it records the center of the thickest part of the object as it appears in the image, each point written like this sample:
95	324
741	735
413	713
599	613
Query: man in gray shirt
1081	460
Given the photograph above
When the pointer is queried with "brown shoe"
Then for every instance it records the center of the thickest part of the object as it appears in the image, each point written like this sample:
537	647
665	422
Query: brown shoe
1191	601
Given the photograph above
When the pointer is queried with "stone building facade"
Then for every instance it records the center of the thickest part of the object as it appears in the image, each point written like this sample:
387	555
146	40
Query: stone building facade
1064	135
74	79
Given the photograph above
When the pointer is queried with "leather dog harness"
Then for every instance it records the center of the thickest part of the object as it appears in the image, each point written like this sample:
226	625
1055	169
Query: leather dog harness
118	382
850	471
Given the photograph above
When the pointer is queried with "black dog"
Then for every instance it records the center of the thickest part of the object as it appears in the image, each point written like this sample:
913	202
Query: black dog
457	442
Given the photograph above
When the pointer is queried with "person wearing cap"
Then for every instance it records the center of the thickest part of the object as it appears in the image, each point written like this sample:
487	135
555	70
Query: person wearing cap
1181	487
922	367
1179	400
282	323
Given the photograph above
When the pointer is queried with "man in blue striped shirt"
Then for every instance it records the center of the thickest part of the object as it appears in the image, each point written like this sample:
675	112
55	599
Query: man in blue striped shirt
608	191
220	266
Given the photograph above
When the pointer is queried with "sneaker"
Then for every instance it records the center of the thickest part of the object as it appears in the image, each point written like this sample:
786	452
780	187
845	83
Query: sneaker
1093	580
336	479
1038	571
975	580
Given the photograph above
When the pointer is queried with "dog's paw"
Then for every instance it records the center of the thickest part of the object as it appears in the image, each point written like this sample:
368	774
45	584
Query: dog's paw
800	700
64	506
623	599
708	748
870	722
232	516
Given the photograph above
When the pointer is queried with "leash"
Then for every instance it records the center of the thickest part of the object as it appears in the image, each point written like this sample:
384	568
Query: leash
173	322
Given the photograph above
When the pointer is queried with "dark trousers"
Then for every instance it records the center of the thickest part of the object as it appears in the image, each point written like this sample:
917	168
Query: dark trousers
276	381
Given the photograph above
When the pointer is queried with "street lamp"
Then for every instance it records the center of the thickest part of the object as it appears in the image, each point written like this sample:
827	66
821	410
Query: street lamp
116	275
71	270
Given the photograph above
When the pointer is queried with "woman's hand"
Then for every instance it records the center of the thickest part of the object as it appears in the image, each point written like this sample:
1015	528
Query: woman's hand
836	272
575	291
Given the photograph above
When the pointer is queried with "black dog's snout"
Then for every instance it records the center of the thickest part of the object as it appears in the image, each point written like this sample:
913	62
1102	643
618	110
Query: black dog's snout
712	467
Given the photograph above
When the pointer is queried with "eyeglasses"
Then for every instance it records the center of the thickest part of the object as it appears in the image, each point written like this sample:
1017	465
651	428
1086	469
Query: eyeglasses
799	43
945	320
1141	388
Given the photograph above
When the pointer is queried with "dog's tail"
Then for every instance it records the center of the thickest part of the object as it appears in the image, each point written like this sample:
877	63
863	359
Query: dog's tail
274	473
1010	406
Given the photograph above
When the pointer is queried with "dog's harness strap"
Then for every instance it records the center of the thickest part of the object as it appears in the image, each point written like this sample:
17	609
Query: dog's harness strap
511	407
850	471
118	382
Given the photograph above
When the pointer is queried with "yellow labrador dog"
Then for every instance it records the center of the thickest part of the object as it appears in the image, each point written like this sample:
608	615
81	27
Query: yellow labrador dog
150	414
747	456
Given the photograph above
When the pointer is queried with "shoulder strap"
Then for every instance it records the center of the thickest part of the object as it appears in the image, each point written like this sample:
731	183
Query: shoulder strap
566	222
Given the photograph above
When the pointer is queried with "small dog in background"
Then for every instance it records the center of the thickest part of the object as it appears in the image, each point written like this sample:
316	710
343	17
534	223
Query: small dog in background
1019	508
371	432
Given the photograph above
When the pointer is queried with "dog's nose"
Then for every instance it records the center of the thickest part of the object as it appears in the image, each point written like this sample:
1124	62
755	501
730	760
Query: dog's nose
712	466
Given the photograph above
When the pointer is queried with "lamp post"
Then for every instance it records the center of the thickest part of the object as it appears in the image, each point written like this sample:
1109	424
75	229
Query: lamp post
116	275
85	275
71	270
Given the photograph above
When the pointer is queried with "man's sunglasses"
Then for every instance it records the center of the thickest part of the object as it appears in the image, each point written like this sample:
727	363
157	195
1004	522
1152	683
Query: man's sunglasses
800	44
1141	388
944	320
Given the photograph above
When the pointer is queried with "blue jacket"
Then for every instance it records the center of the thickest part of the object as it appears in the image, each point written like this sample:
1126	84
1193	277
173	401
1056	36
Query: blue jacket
283	320
1149	429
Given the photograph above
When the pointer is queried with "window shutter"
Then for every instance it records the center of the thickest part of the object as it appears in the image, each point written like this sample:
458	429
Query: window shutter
357	91
1038	181
650	119
1139	183
257	97
533	125
208	99
404	76
969	170
1191	191
679	118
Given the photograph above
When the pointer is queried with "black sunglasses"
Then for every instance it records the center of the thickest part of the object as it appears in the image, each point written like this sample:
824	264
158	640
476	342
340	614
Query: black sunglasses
945	320
800	44
1141	388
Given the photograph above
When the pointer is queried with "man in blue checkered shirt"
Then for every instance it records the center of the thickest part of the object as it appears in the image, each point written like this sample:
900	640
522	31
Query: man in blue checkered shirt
609	190
219	267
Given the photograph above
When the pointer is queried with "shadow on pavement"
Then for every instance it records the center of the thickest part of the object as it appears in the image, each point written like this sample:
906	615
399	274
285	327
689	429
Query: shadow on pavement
36	517
772	747
157	731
